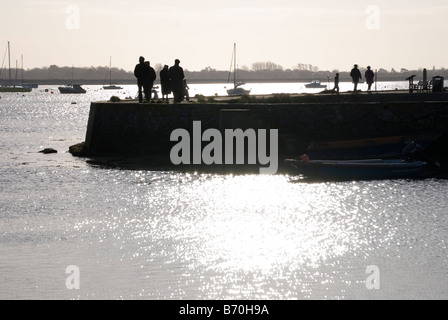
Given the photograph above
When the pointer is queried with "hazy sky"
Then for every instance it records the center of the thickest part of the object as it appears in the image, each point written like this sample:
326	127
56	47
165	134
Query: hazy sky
325	33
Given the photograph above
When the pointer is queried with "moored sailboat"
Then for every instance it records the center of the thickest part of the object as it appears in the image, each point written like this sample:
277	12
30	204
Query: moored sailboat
111	86
10	86
72	88
237	90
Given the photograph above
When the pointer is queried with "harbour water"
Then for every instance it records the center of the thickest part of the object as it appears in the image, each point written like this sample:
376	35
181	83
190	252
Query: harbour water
170	235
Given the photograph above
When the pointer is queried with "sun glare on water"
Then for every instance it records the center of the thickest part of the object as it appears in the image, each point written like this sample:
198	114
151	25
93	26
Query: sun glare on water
247	224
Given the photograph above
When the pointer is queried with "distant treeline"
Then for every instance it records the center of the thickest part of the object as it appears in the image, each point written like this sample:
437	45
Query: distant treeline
260	72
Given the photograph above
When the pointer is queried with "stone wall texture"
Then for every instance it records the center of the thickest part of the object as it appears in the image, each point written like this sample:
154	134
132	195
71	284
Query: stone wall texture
128	128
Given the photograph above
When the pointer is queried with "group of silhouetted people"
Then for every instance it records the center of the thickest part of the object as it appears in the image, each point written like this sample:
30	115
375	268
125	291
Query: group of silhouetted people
356	76
172	80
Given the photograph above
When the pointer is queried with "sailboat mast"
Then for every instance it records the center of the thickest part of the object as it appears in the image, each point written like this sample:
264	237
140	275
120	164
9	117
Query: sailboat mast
17	72
22	69
234	64
110	71
9	63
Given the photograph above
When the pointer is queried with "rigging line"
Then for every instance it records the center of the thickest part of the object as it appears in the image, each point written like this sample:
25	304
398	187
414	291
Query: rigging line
4	58
231	64
105	78
108	73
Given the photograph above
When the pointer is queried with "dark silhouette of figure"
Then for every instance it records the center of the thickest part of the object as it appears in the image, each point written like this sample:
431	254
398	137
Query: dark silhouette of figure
141	74
356	76
336	83
156	94
186	94
149	82
370	76
165	82
176	74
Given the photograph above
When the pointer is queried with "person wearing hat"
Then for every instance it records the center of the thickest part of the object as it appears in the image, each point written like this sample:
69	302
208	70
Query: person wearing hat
370	75
176	76
356	76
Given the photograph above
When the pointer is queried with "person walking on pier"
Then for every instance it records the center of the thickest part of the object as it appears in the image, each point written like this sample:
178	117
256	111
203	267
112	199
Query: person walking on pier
336	83
356	76
370	76
176	74
165	82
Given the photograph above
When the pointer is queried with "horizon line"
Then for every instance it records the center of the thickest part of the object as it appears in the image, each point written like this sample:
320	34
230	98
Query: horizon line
398	70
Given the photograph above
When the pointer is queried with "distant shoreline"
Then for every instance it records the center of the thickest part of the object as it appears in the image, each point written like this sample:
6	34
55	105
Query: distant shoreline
55	75
190	81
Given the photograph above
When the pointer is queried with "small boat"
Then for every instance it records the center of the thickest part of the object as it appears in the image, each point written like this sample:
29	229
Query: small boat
237	90
368	148
72	89
315	84
368	169
15	89
111	86
30	85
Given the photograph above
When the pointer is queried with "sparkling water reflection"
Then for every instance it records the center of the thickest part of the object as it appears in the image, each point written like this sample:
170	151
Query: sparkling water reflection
164	235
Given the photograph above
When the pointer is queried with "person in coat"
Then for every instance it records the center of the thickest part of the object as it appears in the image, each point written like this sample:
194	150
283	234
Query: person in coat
141	73
165	82
176	74
370	76
356	76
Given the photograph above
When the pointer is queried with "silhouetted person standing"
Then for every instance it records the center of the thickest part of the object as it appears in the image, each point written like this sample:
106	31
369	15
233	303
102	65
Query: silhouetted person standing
165	82
356	76
177	76
149	82
370	76
141	73
336	83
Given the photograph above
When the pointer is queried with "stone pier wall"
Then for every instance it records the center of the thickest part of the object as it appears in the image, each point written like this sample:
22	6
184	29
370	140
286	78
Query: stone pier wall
127	128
